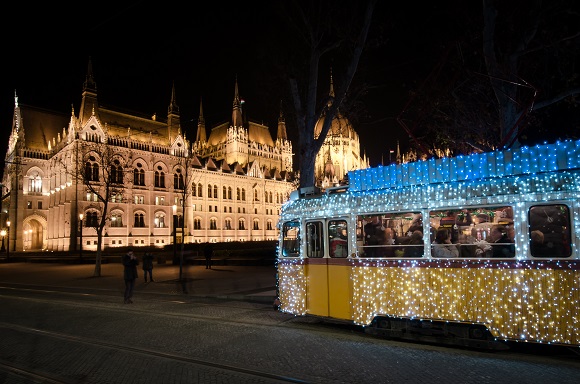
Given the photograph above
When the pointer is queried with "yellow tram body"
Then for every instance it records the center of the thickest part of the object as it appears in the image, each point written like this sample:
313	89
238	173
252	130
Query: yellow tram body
524	296
530	302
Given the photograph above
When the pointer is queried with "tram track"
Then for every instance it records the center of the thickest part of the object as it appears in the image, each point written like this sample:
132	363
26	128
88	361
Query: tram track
35	374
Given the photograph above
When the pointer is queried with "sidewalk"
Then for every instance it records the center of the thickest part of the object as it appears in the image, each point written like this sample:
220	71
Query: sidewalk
251	283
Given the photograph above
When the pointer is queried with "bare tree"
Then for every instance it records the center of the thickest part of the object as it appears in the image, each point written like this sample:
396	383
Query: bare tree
504	65
102	173
508	78
322	33
183	182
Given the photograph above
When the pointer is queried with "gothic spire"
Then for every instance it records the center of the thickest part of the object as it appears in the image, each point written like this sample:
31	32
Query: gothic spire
281	125
173	123
237	110
89	104
173	108
90	80
201	134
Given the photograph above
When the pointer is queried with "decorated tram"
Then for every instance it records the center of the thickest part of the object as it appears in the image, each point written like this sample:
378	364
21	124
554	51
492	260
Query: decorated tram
478	250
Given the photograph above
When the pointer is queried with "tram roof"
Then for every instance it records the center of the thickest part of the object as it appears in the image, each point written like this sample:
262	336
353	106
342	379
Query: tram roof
559	156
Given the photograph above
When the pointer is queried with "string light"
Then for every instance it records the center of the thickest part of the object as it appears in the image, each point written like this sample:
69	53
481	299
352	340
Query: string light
524	300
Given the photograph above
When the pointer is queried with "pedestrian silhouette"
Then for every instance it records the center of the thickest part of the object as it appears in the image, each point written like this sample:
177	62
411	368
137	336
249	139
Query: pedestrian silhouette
208	253
130	263
148	266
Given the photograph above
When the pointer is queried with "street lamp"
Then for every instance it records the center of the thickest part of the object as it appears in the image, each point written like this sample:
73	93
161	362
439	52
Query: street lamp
81	235
175	235
8	245
3	234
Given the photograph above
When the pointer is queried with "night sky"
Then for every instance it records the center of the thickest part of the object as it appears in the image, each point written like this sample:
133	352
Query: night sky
139	50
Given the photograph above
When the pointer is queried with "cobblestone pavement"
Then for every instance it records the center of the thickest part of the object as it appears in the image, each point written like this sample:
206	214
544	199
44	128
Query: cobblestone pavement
97	339
256	283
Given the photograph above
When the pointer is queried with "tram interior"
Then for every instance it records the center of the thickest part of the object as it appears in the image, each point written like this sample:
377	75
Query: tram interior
479	232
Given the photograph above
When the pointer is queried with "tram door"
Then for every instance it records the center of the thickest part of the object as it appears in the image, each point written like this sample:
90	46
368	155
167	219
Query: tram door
328	274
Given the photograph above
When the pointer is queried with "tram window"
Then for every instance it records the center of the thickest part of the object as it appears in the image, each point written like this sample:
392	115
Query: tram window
550	231
314	239
291	239
478	232
338	239
389	234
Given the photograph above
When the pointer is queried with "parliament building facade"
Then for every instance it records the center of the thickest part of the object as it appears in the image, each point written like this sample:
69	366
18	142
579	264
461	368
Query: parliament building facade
159	187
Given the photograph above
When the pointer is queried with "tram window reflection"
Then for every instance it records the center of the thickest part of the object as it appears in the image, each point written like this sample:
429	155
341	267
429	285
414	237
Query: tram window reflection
314	239
389	234
338	240
291	239
550	231
471	230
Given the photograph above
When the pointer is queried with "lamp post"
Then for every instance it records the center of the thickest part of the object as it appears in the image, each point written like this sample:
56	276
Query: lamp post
175	236
3	234
8	245
81	235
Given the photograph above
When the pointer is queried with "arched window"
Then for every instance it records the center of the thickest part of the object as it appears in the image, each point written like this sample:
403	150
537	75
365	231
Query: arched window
88	171
238	193
178	180
139	175
116	174
92	220
224	192
197	223
95	172
116	220
256	224
215	191
243	194
199	190
91	169
230	193
34	183
228	224
159	220
212	223
139	220
241	224
209	190
159	178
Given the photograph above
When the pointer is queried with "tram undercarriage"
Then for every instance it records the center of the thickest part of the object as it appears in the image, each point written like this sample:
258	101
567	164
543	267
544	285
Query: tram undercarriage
475	336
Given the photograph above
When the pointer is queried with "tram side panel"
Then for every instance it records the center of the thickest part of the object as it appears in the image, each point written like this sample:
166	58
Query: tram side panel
316	273
340	289
533	301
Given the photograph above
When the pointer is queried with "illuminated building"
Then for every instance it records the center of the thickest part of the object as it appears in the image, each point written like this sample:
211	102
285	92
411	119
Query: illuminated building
240	178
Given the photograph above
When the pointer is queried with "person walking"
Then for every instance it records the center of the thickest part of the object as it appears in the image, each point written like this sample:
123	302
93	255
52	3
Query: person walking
130	263
148	266
208	253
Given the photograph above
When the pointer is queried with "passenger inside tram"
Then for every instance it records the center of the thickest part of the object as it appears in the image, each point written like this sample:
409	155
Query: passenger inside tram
471	230
502	245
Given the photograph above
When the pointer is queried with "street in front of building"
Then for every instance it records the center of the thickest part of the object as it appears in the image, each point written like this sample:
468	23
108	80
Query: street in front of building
58	323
